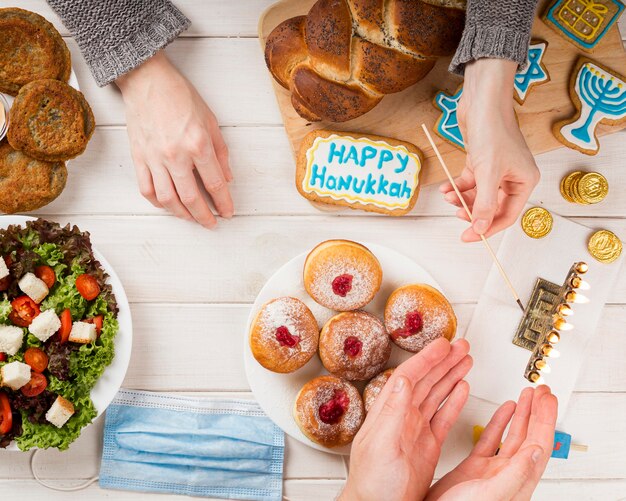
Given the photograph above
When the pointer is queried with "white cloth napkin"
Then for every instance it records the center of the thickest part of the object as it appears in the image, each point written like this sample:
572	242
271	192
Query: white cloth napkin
498	373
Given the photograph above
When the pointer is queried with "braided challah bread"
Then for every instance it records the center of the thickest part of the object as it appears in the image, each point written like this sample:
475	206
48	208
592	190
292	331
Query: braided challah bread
343	57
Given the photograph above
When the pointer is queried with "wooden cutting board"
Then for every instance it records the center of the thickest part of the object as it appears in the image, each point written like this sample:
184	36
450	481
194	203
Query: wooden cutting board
400	115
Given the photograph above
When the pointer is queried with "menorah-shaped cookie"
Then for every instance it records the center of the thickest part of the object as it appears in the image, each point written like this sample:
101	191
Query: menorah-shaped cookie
599	95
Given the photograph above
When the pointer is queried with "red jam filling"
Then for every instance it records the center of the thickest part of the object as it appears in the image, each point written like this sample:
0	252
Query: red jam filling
413	323
285	338
331	411
342	285
352	346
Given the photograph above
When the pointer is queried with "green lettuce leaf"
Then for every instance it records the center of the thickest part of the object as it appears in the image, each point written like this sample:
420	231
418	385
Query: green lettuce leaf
5	309
52	255
48	435
65	295
68	251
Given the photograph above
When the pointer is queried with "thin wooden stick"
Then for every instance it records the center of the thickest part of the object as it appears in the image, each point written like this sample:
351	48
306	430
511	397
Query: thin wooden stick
469	214
579	447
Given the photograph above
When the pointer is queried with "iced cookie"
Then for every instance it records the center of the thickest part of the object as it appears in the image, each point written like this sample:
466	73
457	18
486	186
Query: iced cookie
534	74
359	171
583	22
599	95
447	126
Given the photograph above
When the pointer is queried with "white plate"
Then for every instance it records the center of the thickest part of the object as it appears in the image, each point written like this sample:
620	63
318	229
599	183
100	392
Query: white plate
108	385
9	99
73	82
276	393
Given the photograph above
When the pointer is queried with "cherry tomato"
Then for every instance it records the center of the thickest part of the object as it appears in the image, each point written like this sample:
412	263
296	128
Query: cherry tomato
87	286
6	281
3	357
37	359
6	416
98	320
66	326
35	386
24	311
46	274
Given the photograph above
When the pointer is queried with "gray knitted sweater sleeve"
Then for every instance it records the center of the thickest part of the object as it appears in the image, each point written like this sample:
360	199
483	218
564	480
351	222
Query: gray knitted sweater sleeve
495	29
115	36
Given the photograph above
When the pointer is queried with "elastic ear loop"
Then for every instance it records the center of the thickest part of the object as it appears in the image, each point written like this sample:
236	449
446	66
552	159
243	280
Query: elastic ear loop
54	487
346	471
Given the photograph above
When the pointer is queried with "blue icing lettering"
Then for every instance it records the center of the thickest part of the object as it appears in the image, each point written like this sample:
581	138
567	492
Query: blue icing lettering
331	182
385	156
355	185
369	187
394	189
344	183
334	153
352	155
315	174
406	190
382	185
448	125
404	161
368	153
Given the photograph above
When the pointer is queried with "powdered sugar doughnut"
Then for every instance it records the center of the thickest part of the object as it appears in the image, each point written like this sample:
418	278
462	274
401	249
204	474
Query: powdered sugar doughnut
417	314
329	411
354	345
374	387
342	275
284	335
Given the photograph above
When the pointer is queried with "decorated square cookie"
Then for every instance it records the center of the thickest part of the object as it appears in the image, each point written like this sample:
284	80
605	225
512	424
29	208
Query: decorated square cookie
535	73
583	22
599	95
447	126
359	171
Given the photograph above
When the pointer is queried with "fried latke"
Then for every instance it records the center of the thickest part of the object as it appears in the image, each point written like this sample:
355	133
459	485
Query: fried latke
50	121
27	184
30	49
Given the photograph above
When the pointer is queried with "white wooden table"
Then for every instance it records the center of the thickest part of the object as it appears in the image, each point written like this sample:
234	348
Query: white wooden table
190	289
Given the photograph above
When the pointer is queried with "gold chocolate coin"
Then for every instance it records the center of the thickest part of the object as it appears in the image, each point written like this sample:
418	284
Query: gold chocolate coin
566	186
537	222
593	187
605	246
575	189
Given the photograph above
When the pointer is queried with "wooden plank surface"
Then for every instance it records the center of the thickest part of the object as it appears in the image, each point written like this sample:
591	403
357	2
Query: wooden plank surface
306	490
218	268
204	298
261	172
400	115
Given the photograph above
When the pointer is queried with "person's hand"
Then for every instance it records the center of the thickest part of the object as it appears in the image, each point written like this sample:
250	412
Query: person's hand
176	144
512	474
500	172
395	453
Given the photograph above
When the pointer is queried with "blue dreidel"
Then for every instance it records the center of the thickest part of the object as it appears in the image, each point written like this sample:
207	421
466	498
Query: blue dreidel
562	443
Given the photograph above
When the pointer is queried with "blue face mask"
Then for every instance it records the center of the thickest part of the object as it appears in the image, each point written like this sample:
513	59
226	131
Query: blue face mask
195	446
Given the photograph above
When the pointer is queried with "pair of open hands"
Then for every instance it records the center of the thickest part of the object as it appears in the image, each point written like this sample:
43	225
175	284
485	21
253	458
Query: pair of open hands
182	161
395	453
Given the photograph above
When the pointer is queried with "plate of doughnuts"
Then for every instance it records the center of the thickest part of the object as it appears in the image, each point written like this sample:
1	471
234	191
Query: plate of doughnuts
326	331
